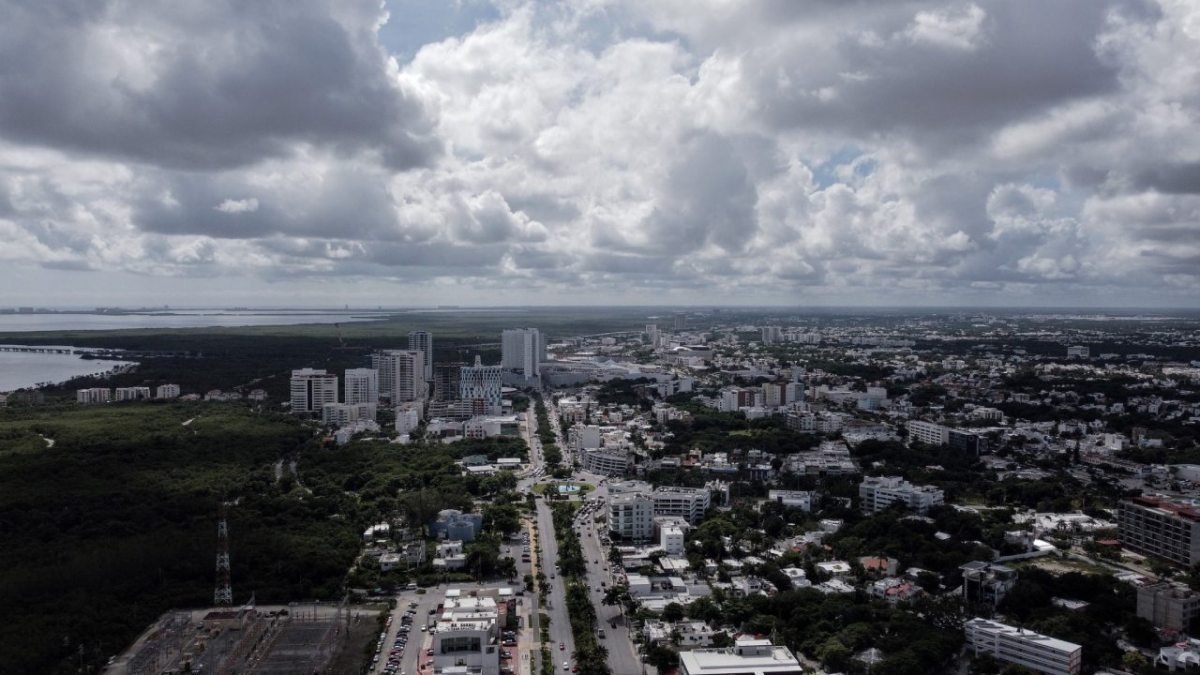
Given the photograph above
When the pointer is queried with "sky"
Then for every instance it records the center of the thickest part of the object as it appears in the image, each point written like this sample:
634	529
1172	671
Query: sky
608	152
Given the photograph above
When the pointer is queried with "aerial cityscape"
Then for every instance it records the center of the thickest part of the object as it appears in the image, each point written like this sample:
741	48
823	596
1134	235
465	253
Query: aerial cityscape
611	337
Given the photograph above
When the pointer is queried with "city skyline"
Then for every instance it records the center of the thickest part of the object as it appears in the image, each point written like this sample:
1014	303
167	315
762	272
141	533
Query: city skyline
523	153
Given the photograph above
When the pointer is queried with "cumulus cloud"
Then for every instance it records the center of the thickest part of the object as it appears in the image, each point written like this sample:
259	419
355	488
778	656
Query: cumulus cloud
702	150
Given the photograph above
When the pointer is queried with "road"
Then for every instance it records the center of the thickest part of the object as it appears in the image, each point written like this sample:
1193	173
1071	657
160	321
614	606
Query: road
622	655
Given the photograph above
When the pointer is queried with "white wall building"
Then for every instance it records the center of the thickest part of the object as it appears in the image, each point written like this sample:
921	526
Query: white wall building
362	386
879	492
466	640
748	656
422	341
93	395
167	391
1034	651
928	432
671	540
131	393
522	350
687	503
606	462
401	374
341	414
631	516
793	499
312	389
407	419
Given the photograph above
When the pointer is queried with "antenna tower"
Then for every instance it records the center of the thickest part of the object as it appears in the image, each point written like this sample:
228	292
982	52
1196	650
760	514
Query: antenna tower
223	594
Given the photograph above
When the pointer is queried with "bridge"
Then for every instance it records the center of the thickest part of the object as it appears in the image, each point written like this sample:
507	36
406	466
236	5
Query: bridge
32	349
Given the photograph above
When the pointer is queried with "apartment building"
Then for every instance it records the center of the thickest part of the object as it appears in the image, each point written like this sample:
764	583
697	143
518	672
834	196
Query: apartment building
687	503
401	374
879	492
1037	652
793	499
422	341
341	414
362	386
167	391
131	393
1161	528
311	389
479	387
631	516
522	350
928	432
93	395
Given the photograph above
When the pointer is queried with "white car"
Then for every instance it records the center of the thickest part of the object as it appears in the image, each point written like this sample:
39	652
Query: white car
566	665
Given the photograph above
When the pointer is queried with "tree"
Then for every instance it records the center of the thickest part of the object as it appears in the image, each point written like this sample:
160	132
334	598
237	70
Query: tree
672	612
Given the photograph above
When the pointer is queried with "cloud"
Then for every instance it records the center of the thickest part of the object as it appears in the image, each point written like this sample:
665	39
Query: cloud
612	150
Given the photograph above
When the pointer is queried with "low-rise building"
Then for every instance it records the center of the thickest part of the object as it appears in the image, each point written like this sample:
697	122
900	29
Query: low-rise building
879	492
793	499
748	656
987	583
1037	652
1161	528
167	391
466	641
1167	605
93	395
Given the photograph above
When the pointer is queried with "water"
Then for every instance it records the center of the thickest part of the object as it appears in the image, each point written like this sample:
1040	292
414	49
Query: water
23	323
19	369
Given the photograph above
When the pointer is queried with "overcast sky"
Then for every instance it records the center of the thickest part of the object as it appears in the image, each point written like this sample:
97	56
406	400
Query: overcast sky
878	152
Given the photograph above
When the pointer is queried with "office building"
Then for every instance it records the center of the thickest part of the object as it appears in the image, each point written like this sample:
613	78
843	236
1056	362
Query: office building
479	387
362	386
1169	605
748	656
521	351
167	391
93	395
401	376
879	492
422	341
131	393
1039	653
311	390
1161	528
467	638
447	381
792	499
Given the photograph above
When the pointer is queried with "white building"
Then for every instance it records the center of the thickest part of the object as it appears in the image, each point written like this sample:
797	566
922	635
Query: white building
879	492
407	419
312	389
401	374
521	351
93	395
928	432
584	437
609	462
131	393
1034	651
631	516
671	540
167	391
772	335
467	638
687	503
480	388
341	414
422	341
362	385
793	499
748	656
1078	352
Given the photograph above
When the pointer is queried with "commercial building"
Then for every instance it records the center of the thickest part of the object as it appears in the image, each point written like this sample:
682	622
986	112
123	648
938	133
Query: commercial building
1160	528
93	395
312	389
466	641
793	499
167	391
687	503
1168	605
1037	652
608	462
422	341
879	492
362	386
131	393
583	437
671	540
521	351
928	432
748	656
480	387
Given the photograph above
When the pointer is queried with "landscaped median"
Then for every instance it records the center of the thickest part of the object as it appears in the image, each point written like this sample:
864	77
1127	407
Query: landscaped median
590	655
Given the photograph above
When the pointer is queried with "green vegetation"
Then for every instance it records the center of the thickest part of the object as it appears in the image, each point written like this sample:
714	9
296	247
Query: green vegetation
590	655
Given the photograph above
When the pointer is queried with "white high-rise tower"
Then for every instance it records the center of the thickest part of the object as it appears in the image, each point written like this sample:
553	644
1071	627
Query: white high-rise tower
422	341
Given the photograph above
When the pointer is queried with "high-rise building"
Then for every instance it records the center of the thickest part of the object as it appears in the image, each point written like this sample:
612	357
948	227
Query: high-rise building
447	379
1037	652
680	321
422	341
401	374
521	351
652	334
772	335
312	389
631	516
362	386
480	388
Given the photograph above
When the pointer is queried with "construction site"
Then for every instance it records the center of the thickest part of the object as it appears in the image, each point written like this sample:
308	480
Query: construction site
240	640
